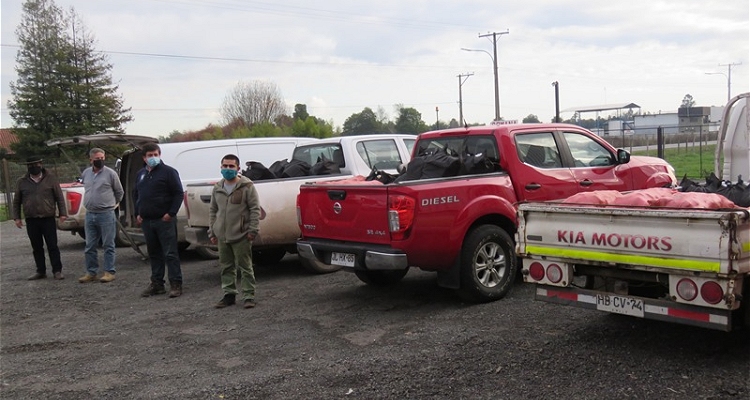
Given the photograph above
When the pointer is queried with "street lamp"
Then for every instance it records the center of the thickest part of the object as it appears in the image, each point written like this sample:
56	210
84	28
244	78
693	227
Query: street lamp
729	83
494	68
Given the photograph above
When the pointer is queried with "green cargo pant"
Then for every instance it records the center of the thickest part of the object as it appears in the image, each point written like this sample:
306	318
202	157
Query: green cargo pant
234	256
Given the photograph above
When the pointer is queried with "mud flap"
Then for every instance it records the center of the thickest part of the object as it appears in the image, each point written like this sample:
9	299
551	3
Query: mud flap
451	278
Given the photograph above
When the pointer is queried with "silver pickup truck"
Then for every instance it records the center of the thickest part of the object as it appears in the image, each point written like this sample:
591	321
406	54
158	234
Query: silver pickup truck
279	231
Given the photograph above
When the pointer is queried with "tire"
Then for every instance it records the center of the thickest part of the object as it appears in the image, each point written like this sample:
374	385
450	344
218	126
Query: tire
318	267
268	256
488	264
182	246
381	278
207	253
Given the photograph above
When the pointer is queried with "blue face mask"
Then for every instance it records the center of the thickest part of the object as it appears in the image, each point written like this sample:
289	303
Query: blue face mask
153	161
228	174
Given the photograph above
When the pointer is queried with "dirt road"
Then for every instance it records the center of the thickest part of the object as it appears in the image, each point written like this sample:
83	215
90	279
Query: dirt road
332	337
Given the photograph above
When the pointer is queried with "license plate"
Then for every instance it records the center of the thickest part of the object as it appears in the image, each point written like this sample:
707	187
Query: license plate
620	305
343	259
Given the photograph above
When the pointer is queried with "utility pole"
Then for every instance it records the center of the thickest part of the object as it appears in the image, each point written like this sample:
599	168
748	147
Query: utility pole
495	35
461	79
729	78
437	118
557	101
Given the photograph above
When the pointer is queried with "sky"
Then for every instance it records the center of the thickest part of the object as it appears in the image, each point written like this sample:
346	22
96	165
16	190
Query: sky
175	61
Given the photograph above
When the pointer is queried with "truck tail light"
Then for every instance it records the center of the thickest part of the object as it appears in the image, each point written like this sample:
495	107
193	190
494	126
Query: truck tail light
184	200
687	289
711	292
400	215
554	273
536	271
73	200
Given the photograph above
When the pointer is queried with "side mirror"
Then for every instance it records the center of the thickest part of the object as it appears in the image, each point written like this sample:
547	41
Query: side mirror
401	169
623	157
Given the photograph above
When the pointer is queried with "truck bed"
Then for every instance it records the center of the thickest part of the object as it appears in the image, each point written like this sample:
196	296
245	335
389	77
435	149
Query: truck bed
691	241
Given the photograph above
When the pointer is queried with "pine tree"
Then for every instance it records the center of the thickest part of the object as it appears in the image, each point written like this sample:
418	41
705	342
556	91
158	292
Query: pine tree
64	87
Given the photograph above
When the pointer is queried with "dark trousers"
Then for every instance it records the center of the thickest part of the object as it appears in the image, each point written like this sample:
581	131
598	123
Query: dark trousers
40	231
161	242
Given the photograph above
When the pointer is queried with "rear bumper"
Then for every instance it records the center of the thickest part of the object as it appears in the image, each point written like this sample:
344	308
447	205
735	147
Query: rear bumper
197	236
367	257
70	224
660	310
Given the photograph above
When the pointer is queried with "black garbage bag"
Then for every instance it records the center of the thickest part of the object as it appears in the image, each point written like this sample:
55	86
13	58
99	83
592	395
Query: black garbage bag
476	164
325	166
277	168
381	176
256	171
434	164
296	168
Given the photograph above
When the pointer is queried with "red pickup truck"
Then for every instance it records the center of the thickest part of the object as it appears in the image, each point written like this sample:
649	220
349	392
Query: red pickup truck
462	226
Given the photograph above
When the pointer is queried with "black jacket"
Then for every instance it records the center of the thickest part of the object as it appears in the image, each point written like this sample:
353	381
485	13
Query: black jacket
157	192
39	200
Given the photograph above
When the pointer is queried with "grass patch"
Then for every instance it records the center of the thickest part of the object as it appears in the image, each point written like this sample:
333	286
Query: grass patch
693	161
4	213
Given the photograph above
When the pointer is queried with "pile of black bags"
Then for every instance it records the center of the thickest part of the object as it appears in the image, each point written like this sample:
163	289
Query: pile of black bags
289	169
738	193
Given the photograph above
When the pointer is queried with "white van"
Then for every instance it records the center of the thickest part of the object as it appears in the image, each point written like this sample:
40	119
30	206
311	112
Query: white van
195	161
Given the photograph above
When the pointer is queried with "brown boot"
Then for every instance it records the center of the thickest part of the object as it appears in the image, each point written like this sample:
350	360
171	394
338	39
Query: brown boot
175	289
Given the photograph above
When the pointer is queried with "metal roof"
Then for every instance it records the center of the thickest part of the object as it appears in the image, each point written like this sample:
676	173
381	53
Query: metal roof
602	107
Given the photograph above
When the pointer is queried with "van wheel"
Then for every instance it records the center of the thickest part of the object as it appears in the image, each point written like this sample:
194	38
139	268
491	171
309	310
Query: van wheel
207	253
268	256
488	264
381	278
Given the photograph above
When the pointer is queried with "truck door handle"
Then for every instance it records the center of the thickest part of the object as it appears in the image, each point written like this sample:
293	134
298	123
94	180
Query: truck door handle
586	182
533	186
206	198
337	194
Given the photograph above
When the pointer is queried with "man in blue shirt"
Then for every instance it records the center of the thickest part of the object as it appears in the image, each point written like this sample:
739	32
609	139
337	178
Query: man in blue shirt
157	198
102	193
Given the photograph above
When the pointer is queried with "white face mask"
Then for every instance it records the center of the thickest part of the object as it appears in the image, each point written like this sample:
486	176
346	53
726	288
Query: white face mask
153	161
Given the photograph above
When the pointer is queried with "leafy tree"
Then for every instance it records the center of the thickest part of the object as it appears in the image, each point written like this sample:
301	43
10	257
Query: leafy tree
531	118
312	127
64	87
410	121
253	103
300	112
361	123
687	101
453	123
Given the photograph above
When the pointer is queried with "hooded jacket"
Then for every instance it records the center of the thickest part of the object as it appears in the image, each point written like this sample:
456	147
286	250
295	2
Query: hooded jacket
39	200
233	216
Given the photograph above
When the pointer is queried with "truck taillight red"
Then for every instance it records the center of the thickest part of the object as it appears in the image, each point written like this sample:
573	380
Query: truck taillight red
547	272
74	202
702	291
400	215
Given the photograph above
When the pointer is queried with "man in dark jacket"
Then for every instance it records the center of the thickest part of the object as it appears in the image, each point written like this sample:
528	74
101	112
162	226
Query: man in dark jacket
157	198
41	197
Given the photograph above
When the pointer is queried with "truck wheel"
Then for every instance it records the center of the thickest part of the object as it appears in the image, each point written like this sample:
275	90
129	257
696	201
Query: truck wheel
268	256
381	278
207	253
318	267
488	264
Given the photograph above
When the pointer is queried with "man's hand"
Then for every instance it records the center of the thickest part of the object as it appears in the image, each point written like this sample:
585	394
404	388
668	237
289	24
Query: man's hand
213	240
139	220
250	237
166	217
63	218
19	223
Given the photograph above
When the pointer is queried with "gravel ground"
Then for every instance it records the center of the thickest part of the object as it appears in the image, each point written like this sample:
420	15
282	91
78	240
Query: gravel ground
332	337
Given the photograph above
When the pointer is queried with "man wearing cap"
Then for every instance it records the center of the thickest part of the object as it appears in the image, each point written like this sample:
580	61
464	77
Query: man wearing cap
102	193
39	193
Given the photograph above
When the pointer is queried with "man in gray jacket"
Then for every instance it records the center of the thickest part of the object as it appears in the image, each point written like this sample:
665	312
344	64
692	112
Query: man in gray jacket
234	216
102	193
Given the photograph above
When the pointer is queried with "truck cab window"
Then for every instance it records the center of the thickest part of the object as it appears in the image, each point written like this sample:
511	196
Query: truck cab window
538	150
587	152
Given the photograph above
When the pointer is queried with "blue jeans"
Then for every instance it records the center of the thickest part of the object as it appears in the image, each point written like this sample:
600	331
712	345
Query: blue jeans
100	226
161	242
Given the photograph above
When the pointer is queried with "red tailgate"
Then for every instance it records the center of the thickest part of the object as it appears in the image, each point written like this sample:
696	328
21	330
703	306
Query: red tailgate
345	212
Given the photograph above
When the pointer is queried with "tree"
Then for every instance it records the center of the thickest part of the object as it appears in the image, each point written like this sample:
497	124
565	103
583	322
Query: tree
531	118
362	123
300	112
410	121
687	101
64	87
253	103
